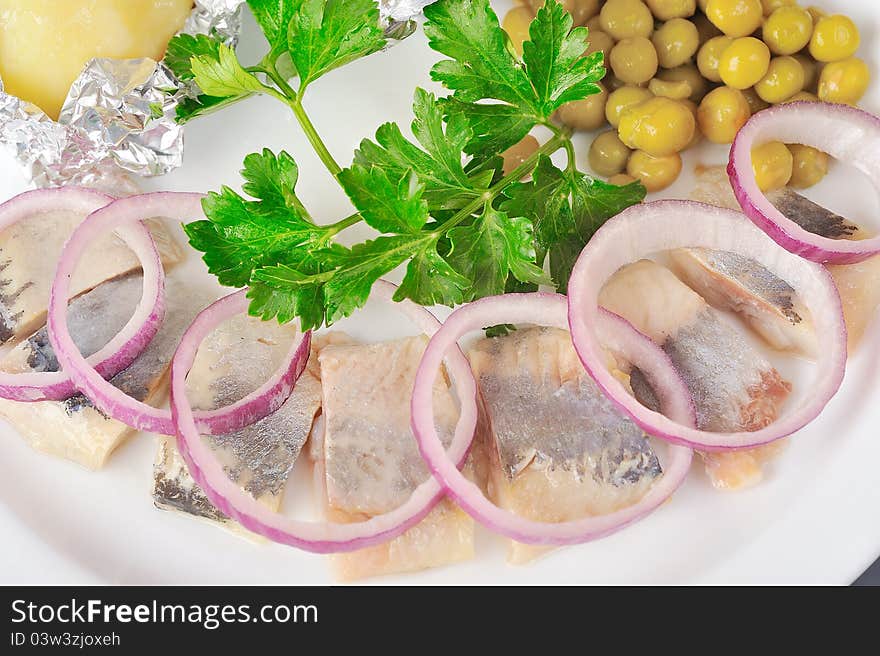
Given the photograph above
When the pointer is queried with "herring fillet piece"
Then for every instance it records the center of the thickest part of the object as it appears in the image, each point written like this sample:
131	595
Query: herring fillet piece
734	387
558	448
367	460
29	251
73	428
233	361
764	300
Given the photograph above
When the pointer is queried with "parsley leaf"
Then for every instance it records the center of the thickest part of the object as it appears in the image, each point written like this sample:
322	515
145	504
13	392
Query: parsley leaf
295	287
545	199
431	280
325	34
179	57
491	248
500	330
285	291
273	17
221	75
563	256
483	67
272	179
190	108
398	207
241	235
494	127
275	293
437	164
594	201
554	61
183	47
387	206
365	263
566	208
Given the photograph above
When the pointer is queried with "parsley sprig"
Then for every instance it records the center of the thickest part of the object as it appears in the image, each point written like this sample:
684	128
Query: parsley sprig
438	200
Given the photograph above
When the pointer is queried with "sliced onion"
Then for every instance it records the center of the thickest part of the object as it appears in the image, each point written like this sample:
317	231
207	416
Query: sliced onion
649	228
114	402
319	537
120	351
844	132
549	310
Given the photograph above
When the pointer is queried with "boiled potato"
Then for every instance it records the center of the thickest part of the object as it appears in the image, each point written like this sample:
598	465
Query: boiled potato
44	44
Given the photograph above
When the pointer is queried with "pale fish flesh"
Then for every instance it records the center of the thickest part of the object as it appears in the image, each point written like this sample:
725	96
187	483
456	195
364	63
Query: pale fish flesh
367	460
734	387
232	362
29	252
765	301
73	428
558	448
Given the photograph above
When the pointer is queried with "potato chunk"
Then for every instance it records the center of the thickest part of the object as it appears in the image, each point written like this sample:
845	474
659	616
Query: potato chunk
44	44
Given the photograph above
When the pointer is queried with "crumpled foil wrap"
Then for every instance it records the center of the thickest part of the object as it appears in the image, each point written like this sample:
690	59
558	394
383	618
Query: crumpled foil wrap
220	18
400	17
116	119
116	116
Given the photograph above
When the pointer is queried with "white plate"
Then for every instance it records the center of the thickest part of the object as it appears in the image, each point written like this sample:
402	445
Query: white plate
813	520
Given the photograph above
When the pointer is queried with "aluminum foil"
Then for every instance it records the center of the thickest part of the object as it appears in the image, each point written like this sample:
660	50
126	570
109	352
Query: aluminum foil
116	120
30	136
400	17
219	18
120	109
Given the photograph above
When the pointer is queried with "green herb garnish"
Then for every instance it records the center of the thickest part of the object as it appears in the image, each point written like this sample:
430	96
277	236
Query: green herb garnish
438	201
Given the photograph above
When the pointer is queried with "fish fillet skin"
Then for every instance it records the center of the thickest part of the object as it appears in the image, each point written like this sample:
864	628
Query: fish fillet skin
74	429
734	387
368	462
766	302
29	253
234	360
559	450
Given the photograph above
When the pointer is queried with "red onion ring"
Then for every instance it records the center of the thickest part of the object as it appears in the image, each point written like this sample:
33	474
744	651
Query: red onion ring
112	401
119	352
844	132
549	310
648	228
318	537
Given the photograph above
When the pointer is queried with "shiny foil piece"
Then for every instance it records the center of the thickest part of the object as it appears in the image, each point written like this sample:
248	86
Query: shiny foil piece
30	136
400	17
120	112
117	119
217	18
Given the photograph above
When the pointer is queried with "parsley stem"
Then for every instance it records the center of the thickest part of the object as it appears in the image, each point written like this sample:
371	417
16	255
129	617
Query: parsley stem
294	100
564	133
572	160
314	138
279	80
527	166
342	224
